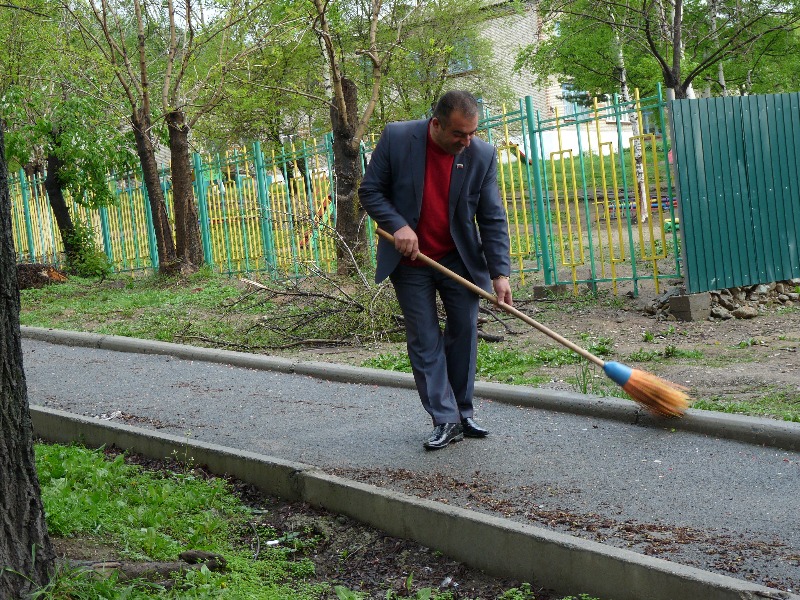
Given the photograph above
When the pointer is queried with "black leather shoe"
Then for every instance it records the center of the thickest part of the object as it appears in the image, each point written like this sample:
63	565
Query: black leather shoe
444	434
472	429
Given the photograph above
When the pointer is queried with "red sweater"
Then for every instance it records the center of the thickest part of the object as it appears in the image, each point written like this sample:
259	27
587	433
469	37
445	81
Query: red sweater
433	229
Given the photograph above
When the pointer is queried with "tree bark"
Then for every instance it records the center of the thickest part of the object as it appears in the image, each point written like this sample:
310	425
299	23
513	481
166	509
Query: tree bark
55	195
347	168
168	262
643	211
187	225
26	554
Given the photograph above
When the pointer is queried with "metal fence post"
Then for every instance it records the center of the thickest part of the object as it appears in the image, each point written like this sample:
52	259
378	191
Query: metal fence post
105	233
668	134
262	180
151	230
26	211
200	189
625	190
544	240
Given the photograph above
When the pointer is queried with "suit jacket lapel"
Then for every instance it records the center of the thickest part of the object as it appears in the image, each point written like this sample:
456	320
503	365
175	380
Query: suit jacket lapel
419	142
457	176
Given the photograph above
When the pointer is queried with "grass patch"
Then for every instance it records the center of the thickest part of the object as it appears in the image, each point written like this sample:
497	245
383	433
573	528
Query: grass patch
499	364
212	310
155	516
153	307
749	343
670	351
148	515
788	309
776	404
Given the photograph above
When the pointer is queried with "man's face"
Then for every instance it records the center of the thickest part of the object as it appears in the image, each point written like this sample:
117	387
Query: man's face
454	133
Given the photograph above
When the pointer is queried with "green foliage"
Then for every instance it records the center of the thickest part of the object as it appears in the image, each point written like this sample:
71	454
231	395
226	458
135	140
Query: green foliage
80	584
523	592
151	307
585	53
672	351
78	131
748	343
343	593
669	351
591	42
87	260
389	362
155	516
442	40
150	517
584	377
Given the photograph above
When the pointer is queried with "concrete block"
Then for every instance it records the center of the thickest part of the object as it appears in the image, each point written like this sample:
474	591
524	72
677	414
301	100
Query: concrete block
543	292
690	307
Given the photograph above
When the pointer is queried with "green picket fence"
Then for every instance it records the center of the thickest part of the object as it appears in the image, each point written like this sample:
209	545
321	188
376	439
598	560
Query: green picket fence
576	214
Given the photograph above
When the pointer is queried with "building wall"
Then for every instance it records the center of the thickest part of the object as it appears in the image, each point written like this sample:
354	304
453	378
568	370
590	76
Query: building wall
510	30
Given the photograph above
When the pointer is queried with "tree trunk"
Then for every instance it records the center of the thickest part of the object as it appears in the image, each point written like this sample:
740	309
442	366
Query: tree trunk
167	258
26	554
347	169
187	225
643	211
60	211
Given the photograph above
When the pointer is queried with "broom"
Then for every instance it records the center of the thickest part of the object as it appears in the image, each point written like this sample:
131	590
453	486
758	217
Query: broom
657	395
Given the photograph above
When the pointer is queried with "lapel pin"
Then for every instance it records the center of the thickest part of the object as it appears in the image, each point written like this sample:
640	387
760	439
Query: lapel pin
459	166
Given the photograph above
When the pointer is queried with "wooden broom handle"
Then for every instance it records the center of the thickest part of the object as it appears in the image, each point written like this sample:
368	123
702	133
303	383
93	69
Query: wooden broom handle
506	307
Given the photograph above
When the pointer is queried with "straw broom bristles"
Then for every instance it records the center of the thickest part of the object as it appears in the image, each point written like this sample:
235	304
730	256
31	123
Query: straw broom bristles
657	395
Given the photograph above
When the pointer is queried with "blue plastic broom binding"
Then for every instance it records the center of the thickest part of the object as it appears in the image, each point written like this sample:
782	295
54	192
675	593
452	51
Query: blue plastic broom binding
617	372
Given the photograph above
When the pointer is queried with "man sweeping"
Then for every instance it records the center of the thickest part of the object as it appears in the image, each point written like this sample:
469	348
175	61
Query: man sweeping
433	185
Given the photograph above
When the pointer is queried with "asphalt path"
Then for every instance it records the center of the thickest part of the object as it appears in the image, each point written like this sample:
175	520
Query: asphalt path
716	504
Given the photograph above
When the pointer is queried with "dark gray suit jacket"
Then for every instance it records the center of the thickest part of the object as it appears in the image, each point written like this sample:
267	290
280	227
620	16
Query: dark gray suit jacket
391	193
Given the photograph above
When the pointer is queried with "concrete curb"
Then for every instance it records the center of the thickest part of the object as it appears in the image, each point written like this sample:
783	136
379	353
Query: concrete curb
751	430
497	546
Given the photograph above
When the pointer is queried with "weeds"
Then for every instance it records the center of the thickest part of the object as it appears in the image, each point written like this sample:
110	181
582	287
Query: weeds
783	404
216	311
670	351
749	342
154	516
151	515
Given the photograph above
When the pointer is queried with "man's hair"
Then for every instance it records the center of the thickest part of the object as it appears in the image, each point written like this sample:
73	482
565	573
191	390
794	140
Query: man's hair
459	100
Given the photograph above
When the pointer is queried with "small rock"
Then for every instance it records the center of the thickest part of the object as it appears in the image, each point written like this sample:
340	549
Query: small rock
745	312
728	302
717	312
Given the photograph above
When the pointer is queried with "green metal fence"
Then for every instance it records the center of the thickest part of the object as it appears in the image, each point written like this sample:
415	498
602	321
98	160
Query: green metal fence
576	213
589	201
738	167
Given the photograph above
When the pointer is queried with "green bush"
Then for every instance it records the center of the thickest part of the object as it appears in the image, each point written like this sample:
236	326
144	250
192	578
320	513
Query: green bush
88	260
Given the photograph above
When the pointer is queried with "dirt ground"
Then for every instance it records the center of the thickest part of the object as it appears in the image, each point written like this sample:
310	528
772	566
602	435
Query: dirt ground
344	552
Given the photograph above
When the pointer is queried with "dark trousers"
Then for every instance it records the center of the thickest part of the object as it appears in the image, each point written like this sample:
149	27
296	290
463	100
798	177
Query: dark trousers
443	363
